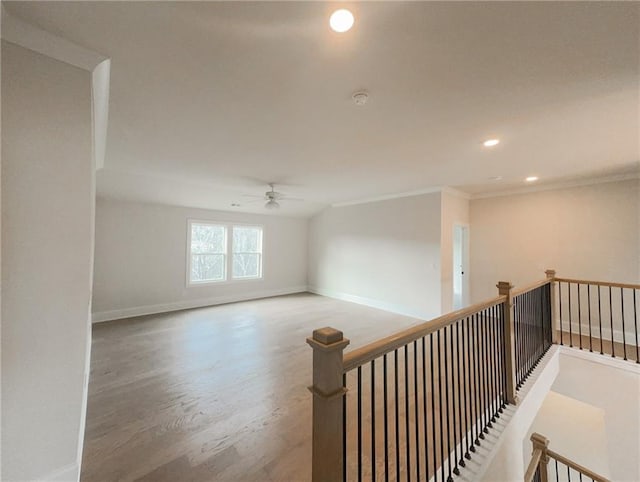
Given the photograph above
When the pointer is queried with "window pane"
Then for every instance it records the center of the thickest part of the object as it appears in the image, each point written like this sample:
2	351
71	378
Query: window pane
207	238
247	239
246	265
207	267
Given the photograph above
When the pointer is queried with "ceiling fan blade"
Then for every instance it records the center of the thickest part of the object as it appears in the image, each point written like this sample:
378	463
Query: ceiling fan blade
252	196
242	203
295	199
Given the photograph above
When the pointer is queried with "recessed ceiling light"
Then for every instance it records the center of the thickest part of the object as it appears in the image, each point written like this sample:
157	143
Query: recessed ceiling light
491	142
532	179
341	20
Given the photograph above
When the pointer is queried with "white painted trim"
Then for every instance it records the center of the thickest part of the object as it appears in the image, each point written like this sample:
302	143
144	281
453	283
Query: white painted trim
21	33
531	396
594	357
456	192
67	473
101	316
386	197
360	300
100	82
558	185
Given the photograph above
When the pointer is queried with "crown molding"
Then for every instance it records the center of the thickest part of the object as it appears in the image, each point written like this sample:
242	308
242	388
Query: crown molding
387	197
456	192
558	185
23	34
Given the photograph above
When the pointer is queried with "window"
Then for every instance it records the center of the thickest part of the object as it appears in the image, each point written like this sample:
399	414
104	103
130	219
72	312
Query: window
208	253
209	244
247	252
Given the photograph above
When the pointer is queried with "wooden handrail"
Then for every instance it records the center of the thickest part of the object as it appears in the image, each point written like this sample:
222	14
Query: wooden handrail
533	465
599	283
577	467
518	291
378	348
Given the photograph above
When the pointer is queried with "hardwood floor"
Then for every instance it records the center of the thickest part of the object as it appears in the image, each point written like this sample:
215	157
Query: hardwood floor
214	393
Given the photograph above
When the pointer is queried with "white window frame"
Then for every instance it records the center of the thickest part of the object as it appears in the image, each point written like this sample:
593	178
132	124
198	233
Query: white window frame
228	266
232	252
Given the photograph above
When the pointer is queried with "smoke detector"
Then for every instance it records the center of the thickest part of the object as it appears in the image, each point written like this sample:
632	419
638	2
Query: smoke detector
360	97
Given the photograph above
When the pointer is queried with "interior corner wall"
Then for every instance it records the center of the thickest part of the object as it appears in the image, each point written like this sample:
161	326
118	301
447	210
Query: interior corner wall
141	256
384	254
455	211
586	232
47	228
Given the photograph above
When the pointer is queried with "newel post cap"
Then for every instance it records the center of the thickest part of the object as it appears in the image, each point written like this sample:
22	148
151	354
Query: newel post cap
539	441
327	339
551	273
504	287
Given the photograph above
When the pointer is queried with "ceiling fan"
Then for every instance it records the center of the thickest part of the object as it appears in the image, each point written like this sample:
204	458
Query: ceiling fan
272	197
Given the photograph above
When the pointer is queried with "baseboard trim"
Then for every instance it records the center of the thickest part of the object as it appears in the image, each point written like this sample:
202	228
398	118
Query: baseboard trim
100	316
360	300
67	473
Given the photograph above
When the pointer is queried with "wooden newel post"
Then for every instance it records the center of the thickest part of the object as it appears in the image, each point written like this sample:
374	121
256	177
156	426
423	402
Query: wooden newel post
327	463
541	443
504	289
555	315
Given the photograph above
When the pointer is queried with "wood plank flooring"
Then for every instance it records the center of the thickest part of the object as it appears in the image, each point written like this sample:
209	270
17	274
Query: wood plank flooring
214	393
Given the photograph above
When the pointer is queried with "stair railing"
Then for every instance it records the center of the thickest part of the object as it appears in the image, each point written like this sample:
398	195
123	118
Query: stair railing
546	464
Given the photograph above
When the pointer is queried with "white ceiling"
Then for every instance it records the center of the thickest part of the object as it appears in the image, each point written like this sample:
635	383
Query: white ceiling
210	101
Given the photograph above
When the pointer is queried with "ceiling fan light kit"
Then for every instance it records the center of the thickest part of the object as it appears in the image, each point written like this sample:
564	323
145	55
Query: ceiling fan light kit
272	204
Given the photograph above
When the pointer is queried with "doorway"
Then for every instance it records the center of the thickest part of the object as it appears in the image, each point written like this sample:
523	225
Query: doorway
460	266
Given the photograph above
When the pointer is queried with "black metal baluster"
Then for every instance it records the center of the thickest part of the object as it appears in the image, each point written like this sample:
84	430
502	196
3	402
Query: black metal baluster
495	364
502	371
386	420
424	405
406	410
467	425
557	474
635	324
624	337
373	420
397	425
447	412
518	338
560	309
470	379
613	345
570	331
454	382
344	428
579	317
416	402
461	422
476	378
487	364
600	320
589	314
359	423
440	409
483	381
433	411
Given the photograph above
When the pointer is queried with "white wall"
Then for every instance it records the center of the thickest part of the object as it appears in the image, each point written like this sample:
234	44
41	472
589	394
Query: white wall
455	210
140	259
588	232
47	205
384	254
614	387
575	429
